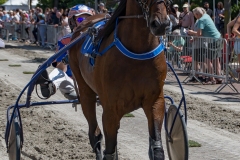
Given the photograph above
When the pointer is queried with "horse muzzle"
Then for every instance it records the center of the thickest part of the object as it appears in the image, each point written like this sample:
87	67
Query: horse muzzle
158	28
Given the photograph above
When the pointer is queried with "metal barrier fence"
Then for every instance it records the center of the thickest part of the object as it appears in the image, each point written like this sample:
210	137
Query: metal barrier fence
202	57
233	66
47	35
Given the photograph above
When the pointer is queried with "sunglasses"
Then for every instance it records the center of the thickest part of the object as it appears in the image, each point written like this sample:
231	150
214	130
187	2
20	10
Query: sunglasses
80	19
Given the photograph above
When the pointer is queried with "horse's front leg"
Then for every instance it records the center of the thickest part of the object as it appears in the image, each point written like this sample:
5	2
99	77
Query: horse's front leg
95	136
155	116
88	103
111	124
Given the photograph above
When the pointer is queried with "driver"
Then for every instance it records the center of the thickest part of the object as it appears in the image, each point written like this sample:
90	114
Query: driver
61	77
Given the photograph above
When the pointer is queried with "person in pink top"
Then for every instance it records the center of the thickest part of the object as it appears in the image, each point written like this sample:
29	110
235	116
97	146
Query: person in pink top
186	20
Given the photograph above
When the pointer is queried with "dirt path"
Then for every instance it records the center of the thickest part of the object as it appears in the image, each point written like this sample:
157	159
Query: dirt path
57	132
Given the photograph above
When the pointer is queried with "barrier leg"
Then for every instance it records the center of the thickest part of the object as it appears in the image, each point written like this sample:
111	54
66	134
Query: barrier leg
231	86
7	35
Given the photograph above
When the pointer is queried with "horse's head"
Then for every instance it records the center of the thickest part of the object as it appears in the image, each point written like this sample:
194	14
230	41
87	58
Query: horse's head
156	13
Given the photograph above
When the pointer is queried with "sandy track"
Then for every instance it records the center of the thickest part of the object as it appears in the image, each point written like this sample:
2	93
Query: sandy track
57	132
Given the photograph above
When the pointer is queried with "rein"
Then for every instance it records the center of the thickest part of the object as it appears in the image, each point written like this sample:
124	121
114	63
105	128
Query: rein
135	16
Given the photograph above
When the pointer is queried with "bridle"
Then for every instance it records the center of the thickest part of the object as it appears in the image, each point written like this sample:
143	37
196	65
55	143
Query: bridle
146	8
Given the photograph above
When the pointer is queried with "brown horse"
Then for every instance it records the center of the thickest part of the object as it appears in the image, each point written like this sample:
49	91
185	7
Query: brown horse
124	84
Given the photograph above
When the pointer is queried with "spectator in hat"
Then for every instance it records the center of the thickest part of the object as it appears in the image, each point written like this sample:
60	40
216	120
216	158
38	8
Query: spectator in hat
175	6
102	8
186	19
174	18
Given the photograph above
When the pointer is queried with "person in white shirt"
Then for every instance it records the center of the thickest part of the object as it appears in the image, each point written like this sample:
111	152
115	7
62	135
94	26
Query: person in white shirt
66	28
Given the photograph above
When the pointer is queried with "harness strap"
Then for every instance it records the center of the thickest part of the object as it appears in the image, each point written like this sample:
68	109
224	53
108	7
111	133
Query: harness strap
106	49
144	56
116	42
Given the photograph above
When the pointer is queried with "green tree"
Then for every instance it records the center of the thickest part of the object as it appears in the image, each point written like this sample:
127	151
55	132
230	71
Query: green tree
70	3
2	1
62	3
235	10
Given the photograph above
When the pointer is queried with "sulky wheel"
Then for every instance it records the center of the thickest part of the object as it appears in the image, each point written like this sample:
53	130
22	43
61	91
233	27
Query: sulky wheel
14	149
177	140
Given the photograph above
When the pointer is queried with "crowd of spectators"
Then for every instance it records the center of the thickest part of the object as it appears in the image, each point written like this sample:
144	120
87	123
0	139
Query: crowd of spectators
37	16
207	28
185	19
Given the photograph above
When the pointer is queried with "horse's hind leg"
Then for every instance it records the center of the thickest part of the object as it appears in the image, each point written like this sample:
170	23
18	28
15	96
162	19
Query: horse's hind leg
155	116
88	103
111	124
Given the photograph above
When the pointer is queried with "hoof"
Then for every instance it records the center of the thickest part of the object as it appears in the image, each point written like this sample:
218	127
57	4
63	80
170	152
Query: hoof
110	156
113	156
155	150
97	149
98	155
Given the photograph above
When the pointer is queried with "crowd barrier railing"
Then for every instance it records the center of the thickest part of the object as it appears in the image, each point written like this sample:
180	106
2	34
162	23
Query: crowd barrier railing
49	34
202	57
233	66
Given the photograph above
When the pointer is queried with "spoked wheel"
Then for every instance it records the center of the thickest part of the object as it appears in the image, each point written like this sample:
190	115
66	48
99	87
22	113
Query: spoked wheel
14	150
177	140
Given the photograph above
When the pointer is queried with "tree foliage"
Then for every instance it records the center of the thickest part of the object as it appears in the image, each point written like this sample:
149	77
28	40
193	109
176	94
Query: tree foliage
2	1
70	3
235	10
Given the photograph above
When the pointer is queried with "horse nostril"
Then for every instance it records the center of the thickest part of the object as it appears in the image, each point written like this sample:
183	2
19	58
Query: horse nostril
155	24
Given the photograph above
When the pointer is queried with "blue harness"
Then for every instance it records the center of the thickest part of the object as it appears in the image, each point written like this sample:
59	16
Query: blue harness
89	49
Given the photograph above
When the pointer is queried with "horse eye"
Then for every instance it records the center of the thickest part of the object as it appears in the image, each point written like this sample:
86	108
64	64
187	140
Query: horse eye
159	1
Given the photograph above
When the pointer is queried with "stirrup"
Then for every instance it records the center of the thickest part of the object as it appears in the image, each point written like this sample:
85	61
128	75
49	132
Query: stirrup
46	85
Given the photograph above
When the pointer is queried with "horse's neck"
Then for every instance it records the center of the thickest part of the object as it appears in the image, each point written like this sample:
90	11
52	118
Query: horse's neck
134	33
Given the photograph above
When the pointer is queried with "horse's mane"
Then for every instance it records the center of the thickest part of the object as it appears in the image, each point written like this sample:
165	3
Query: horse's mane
109	27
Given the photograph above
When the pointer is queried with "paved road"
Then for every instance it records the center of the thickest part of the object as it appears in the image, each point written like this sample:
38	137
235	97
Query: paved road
133	135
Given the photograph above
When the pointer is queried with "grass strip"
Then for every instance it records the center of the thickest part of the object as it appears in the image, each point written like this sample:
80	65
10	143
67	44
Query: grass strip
129	115
28	72
192	143
3	59
14	65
